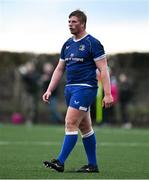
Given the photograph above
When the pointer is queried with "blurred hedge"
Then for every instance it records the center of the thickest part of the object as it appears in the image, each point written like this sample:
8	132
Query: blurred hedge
135	65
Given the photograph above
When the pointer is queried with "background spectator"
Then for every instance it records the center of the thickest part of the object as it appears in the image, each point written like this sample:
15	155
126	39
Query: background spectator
30	98
110	114
125	93
54	114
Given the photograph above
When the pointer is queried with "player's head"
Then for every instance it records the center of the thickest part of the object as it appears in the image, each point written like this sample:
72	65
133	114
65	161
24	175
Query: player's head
77	21
80	15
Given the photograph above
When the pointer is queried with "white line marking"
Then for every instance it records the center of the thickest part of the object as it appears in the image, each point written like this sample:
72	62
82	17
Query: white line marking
46	143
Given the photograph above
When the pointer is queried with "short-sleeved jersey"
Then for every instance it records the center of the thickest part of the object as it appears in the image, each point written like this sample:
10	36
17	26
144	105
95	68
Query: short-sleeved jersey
80	56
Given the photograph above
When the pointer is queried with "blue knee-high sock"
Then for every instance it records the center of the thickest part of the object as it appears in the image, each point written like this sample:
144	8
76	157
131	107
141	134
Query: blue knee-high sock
89	141
70	140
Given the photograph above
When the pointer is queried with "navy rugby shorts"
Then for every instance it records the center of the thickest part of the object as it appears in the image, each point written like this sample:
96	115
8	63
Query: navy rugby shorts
80	97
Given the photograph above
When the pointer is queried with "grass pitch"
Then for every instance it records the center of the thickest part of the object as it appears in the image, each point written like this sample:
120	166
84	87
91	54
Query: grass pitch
121	153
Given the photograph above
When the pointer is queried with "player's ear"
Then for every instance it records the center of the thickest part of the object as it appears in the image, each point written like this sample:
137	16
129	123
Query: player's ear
83	25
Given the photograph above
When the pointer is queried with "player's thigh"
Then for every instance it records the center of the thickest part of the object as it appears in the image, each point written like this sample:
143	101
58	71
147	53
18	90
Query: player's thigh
74	117
85	125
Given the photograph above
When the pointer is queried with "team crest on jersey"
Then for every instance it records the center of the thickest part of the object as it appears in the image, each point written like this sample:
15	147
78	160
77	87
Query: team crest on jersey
67	47
71	55
82	47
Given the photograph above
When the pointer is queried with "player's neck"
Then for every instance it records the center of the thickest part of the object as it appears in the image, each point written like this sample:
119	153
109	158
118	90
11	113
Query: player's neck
80	35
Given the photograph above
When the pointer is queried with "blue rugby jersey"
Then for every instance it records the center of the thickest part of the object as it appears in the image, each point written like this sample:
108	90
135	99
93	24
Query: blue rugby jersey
80	56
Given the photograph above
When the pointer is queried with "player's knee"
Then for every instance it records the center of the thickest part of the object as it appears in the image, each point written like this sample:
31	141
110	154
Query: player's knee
85	128
71	126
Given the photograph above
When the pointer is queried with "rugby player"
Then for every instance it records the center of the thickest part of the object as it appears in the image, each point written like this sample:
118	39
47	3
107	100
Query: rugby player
81	56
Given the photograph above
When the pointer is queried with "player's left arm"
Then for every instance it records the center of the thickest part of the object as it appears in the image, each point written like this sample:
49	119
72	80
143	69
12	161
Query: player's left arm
105	77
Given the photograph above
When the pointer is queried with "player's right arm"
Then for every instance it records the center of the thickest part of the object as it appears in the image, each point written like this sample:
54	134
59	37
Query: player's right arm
56	77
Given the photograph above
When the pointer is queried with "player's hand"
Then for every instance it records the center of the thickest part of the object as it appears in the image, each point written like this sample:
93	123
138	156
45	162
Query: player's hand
107	101
46	96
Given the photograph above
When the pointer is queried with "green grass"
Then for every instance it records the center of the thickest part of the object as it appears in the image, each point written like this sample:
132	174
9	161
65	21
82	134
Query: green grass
121	153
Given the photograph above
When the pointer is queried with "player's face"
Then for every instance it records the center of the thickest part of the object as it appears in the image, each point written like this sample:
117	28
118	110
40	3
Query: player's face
75	26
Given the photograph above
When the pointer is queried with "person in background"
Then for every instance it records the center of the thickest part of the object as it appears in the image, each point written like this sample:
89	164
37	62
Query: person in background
54	115
30	78
80	56
110	114
125	94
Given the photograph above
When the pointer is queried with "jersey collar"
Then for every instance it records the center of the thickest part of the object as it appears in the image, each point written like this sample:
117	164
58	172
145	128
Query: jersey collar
76	40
